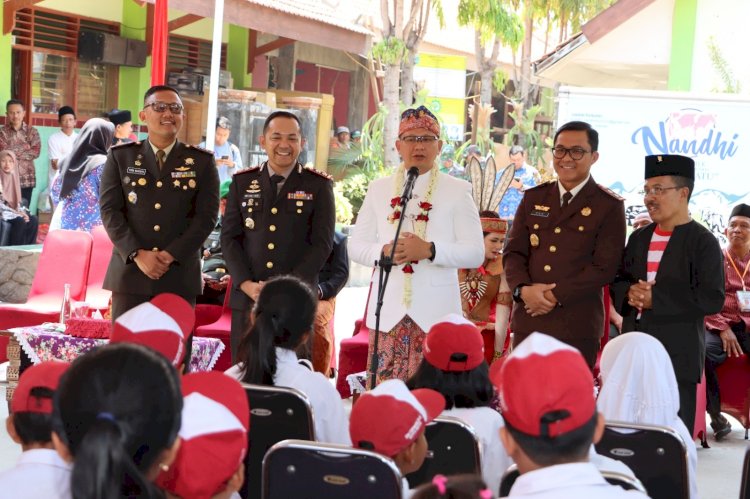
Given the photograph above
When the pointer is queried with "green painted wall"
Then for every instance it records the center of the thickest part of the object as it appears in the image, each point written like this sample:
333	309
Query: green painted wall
5	62
133	81
107	10
683	43
237	57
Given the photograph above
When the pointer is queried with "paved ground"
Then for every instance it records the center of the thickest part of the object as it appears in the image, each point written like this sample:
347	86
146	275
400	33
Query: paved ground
719	467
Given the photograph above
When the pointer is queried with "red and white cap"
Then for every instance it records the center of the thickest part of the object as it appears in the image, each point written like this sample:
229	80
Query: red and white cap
454	344
45	375
545	387
390	417
163	324
215	422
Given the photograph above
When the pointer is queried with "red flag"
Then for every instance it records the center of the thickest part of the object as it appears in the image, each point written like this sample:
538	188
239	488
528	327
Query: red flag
159	43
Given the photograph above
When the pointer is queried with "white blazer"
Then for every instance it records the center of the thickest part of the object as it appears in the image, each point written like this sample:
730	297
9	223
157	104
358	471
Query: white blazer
455	229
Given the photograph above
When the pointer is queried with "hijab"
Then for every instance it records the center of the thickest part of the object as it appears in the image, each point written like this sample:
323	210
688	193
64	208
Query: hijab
11	182
89	151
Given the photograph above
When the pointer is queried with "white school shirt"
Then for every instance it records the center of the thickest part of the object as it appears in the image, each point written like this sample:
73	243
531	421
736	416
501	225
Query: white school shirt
38	473
569	481
329	416
59	145
486	423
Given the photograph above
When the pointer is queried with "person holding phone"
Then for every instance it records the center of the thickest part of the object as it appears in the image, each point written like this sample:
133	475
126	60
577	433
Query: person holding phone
525	178
228	158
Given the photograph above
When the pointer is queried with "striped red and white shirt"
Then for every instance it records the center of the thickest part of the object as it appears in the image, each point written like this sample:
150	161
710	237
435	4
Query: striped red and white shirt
656	249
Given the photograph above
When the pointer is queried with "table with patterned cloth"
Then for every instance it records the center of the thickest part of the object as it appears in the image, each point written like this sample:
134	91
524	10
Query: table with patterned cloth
41	344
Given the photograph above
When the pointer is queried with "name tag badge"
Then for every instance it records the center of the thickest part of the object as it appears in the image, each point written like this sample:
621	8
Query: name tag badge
136	171
743	297
539	213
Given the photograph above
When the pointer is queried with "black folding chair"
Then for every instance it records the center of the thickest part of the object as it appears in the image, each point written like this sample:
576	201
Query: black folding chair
453	449
509	478
310	470
656	454
745	483
276	414
624	481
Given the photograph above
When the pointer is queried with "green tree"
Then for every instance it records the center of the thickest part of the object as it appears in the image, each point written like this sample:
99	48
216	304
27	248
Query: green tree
493	25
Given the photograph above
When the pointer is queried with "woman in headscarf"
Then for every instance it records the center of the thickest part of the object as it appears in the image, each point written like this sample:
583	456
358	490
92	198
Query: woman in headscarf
21	226
639	386
76	190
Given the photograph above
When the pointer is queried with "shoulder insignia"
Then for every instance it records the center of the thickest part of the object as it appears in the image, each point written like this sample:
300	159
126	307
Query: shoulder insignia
543	184
319	173
190	146
610	192
247	170
125	144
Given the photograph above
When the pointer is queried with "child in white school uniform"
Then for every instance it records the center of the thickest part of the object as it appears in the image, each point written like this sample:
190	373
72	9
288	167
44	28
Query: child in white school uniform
282	320
40	472
391	420
215	422
454	365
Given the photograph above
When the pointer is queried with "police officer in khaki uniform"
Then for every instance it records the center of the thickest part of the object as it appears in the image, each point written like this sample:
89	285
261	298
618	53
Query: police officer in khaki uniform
279	219
159	200
565	244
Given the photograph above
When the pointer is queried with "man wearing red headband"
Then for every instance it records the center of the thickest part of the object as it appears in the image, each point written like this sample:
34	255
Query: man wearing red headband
440	234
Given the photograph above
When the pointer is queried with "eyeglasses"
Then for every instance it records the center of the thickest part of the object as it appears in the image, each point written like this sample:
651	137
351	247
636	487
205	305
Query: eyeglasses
160	107
410	139
656	190
576	153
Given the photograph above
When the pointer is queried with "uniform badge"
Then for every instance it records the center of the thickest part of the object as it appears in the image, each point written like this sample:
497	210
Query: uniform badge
184	187
182	168
586	211
176	183
300	203
189	161
191	183
141	181
300	195
541	207
136	171
249	223
534	240
140	156
126	179
137	163
132	197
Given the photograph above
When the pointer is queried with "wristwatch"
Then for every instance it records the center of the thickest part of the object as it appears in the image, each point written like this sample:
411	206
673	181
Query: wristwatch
517	293
132	255
432	252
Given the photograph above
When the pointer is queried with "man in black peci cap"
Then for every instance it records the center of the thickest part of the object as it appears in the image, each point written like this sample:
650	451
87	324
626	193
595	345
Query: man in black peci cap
672	274
123	121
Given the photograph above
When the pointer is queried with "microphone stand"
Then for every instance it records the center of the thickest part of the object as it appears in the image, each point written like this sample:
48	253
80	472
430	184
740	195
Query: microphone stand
385	264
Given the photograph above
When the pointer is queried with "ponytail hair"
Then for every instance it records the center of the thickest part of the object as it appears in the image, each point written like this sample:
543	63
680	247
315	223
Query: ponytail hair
117	409
284	315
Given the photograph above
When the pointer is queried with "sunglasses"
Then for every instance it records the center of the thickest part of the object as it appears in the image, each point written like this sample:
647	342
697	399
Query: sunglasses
160	107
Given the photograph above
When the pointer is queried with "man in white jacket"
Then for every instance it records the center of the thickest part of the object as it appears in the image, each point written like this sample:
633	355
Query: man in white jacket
441	233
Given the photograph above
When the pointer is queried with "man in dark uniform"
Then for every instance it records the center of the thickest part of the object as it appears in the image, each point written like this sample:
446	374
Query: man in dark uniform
159	200
279	219
564	246
672	275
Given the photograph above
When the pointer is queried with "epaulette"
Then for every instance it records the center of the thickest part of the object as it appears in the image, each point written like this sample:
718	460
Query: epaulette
543	184
190	146
612	193
247	170
319	173
125	144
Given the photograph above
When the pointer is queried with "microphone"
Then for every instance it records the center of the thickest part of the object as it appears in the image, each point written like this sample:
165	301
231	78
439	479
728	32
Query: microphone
411	178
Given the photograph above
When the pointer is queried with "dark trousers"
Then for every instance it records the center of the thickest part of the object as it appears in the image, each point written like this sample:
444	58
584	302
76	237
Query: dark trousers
240	325
122	302
715	356
687	391
23	232
589	347
26	194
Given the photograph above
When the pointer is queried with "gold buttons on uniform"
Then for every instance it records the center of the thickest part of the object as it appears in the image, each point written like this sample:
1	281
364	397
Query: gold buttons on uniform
158	183
558	230
154	249
547	268
157	228
299	211
272	228
269	265
536	226
580	228
274	211
552	249
271	246
157	206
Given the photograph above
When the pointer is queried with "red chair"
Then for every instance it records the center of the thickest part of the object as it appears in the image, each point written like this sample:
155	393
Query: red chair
65	259
220	330
699	430
206	313
353	353
734	382
101	252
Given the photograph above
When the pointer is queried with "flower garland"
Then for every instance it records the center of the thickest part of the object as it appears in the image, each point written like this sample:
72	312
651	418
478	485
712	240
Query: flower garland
420	222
